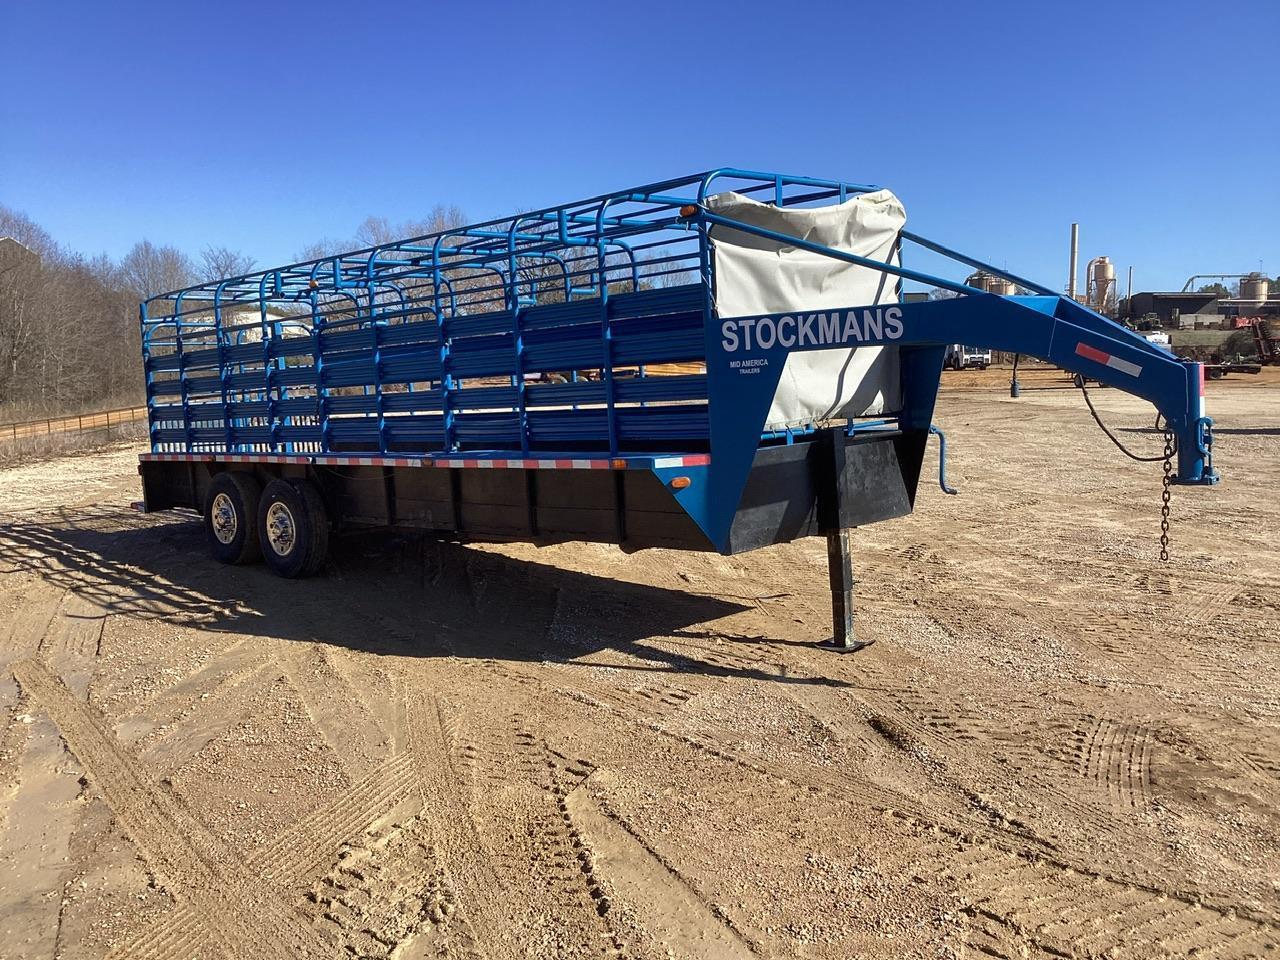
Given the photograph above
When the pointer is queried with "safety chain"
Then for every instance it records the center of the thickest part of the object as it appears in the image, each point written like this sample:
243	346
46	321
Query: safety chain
1208	447
1164	496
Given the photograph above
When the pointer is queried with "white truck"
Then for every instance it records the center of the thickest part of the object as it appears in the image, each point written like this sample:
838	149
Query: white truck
960	356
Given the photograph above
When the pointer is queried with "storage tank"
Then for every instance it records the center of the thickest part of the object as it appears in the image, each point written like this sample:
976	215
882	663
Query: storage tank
991	284
1101	285
1254	287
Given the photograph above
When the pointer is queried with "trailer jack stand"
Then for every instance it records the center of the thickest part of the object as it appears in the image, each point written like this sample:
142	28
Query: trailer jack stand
840	569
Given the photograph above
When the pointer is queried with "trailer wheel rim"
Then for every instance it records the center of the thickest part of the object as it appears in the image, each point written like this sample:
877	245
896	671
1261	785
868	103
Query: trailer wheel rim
282	532
223	515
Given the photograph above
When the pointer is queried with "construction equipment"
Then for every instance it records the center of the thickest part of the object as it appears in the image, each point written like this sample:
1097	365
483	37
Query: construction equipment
1265	341
754	378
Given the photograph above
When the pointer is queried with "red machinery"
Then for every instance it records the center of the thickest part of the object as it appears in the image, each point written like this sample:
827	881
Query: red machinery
1265	339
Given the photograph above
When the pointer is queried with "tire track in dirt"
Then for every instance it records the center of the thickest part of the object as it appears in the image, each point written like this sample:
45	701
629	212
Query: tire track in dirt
1009	877
933	728
1117	757
213	715
38	823
240	916
937	738
388	894
38	778
1106	621
1187	599
231	666
626	704
174	725
516	788
73	640
468	867
290	860
519	799
668	908
182	935
337	710
32	609
929	726
302	850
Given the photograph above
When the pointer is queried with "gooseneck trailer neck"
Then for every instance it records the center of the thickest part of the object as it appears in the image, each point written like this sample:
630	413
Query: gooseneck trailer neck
716	362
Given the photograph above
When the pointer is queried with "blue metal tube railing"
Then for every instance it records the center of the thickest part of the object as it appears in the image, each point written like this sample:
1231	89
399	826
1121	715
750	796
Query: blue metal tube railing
576	292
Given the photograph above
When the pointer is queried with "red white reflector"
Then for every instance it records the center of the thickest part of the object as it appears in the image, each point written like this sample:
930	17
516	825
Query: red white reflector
1107	360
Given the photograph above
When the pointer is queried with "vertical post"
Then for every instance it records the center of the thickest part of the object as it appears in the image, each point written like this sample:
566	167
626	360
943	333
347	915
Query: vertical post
1075	253
840	570
606	344
831	492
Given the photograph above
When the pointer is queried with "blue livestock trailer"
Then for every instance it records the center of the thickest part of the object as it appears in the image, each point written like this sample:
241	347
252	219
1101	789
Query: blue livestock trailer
716	362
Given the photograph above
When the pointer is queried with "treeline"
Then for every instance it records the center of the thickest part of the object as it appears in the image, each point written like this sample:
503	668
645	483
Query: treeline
69	338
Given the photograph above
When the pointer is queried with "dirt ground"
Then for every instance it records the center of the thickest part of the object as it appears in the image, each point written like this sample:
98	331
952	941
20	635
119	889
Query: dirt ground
1057	746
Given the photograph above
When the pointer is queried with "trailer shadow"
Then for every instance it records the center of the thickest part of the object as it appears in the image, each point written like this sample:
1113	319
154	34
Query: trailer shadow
388	594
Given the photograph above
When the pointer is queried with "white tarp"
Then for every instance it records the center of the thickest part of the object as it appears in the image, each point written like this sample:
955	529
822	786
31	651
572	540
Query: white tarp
755	275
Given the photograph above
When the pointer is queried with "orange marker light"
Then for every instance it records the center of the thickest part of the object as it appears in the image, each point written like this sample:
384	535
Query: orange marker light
688	210
618	464
679	483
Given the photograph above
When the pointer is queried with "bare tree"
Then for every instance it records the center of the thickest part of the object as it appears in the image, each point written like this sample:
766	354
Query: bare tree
376	231
68	326
69	329
24	248
149	270
220	263
326	247
18	226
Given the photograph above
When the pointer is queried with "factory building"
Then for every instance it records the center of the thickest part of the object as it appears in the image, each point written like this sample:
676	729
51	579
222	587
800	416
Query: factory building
1186	310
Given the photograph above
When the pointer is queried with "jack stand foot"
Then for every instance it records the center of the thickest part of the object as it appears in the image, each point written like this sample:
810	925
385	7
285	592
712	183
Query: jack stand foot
852	647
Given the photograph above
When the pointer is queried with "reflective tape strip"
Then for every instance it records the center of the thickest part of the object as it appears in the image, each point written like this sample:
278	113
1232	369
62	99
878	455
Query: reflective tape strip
639	463
1107	360
693	461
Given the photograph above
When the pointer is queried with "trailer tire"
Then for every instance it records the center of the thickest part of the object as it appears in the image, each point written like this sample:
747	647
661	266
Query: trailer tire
231	517
293	528
1214	373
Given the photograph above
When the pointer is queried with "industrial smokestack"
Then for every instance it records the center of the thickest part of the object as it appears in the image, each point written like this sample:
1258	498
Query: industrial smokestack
1075	254
1129	292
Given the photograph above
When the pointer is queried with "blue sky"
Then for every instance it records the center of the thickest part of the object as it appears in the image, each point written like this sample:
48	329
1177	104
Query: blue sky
264	126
